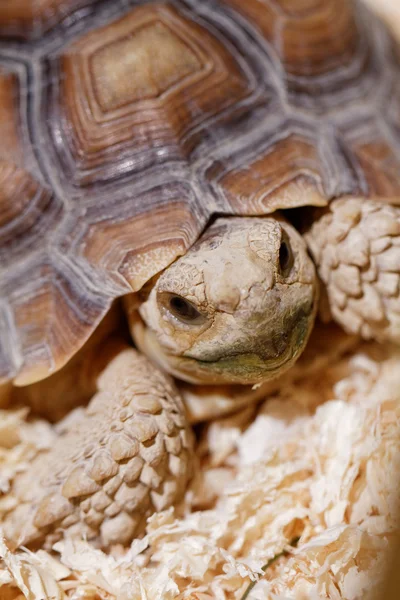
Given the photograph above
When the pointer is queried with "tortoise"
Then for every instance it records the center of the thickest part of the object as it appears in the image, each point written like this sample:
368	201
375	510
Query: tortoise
199	167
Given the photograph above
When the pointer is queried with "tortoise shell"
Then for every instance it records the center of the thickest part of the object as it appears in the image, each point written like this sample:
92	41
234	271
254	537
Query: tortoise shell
126	125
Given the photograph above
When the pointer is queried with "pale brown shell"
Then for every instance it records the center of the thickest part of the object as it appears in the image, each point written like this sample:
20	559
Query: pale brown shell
125	125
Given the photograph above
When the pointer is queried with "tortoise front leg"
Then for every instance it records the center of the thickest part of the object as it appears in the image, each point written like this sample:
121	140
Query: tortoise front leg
356	247
128	454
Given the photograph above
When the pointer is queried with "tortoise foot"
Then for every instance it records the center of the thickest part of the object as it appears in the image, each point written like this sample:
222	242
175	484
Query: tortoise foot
128	454
356	246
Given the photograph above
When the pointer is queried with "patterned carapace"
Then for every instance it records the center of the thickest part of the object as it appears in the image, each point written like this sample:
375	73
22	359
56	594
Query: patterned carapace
126	124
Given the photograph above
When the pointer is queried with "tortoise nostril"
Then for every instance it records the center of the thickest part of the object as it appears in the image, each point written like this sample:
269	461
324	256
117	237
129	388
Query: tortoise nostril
285	257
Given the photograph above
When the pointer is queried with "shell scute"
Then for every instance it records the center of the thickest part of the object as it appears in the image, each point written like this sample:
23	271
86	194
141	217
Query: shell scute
30	19
310	36
121	93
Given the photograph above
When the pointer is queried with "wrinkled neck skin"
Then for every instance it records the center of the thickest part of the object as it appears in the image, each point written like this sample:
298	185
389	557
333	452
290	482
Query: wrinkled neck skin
252	293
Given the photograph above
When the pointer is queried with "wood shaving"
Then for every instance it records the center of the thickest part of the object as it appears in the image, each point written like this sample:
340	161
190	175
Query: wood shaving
319	460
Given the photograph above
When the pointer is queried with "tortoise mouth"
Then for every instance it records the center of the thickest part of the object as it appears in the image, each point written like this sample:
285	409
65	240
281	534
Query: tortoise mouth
245	368
242	368
263	349
269	360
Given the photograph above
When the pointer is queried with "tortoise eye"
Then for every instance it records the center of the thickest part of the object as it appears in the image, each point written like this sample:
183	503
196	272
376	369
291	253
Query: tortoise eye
285	257
183	310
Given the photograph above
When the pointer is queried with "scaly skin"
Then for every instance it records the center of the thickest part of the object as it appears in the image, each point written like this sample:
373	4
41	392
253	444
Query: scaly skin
356	247
129	454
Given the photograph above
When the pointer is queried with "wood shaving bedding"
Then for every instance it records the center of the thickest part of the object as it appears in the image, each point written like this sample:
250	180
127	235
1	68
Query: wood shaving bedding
320	460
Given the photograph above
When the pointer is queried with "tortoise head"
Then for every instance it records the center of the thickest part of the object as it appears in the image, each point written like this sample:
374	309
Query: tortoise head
238	307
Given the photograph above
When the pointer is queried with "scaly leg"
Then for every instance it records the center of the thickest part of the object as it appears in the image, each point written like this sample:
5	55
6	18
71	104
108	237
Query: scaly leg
356	247
128	454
